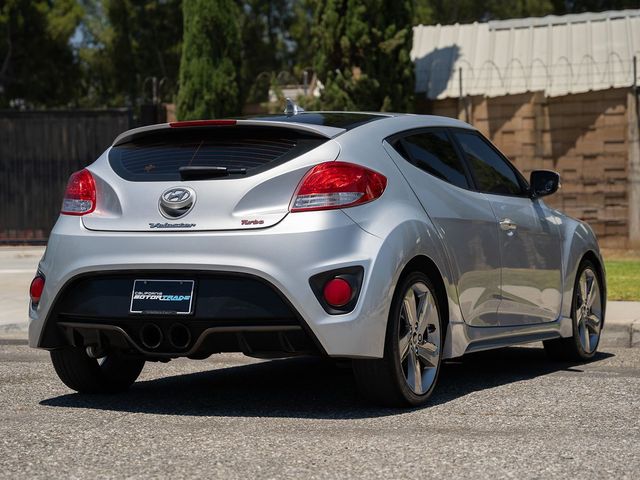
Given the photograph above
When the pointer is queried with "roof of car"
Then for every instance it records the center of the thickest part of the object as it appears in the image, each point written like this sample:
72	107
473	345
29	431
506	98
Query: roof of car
335	119
325	123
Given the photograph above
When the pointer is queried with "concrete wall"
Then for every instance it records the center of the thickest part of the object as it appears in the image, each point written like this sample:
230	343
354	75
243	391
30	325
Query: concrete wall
583	137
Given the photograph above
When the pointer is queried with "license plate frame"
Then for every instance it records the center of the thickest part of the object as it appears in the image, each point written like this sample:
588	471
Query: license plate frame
162	297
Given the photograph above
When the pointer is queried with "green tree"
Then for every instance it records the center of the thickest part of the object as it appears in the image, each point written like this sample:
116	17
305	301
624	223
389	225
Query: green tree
210	60
579	6
363	54
125	43
266	44
467	11
37	64
300	31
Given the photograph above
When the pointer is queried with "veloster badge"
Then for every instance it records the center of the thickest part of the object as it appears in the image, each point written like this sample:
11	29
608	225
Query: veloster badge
171	225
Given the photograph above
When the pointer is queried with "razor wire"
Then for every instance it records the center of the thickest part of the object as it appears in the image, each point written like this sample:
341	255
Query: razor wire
461	78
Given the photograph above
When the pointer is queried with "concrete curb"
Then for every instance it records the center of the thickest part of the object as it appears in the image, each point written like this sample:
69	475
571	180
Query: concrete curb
621	334
14	332
11	328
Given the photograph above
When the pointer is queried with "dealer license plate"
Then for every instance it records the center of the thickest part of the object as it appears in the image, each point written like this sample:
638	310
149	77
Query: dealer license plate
168	297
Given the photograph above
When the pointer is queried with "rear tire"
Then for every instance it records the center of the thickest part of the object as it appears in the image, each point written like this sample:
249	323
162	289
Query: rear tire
586	319
113	373
407	374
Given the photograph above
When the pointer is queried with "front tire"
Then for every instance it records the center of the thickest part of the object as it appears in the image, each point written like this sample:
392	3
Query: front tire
113	373
408	372
586	319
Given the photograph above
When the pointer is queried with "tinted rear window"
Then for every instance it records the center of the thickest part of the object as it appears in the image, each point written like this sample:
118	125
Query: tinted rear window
157	156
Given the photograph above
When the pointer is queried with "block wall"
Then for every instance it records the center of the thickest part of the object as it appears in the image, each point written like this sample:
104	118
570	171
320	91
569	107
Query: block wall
582	136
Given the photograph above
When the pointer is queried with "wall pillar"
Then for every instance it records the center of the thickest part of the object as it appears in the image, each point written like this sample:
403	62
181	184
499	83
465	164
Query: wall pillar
633	141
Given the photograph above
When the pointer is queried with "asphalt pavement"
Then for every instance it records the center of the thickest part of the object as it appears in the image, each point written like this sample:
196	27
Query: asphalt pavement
510	413
504	414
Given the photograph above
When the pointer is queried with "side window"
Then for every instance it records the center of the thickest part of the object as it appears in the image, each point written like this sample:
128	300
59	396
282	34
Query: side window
433	153
491	172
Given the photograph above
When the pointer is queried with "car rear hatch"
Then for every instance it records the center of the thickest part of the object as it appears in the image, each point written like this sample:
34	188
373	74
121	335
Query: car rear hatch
204	176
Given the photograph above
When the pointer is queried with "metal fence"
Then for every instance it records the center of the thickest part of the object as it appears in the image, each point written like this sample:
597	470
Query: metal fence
38	152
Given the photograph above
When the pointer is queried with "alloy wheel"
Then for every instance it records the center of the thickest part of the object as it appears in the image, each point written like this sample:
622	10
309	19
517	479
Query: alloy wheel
588	310
419	338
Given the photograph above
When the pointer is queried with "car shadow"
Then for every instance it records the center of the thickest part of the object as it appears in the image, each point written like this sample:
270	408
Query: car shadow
308	387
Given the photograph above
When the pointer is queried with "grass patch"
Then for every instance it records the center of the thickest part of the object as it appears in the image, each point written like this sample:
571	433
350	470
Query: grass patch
623	279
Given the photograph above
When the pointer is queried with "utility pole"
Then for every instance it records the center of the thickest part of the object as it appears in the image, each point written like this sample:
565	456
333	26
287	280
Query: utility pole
462	101
633	136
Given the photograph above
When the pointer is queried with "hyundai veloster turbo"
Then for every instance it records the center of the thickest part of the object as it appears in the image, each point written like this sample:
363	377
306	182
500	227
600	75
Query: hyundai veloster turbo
396	241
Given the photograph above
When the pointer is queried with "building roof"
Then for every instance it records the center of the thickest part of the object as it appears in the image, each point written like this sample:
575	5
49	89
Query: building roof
558	55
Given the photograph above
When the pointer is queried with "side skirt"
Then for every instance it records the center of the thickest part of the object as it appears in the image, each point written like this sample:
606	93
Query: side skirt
467	339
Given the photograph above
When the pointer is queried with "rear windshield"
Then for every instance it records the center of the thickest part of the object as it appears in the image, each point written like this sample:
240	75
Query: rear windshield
157	156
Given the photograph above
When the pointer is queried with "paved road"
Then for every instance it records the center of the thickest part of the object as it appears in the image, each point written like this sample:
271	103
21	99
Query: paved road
505	414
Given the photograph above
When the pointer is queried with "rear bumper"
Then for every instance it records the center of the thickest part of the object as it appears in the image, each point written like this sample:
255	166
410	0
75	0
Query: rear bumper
282	257
231	313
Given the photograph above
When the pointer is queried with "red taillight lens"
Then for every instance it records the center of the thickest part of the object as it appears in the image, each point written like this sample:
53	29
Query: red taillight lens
36	288
80	195
337	292
337	185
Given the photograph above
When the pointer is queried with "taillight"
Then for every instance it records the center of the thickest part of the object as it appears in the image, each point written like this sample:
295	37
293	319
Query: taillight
337	185
80	195
36	288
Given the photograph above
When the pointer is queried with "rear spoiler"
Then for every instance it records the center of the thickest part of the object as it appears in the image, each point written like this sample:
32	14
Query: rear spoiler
321	130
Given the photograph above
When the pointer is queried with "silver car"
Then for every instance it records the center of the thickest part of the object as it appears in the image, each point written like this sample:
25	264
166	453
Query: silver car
395	241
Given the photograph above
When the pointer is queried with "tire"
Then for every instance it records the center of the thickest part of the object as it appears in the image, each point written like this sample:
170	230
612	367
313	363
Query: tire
113	373
586	318
391	381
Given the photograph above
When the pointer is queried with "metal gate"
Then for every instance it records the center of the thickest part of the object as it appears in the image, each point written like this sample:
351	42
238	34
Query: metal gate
38	152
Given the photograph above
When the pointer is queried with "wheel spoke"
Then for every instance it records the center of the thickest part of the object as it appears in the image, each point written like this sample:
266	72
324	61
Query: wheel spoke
590	290
583	287
584	336
414	372
592	322
425	311
429	354
404	345
593	293
410	309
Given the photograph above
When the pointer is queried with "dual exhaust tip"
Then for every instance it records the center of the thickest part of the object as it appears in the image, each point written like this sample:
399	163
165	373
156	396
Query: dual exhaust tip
178	336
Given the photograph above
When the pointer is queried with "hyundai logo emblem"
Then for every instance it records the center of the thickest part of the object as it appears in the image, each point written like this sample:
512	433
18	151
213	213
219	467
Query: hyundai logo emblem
176	202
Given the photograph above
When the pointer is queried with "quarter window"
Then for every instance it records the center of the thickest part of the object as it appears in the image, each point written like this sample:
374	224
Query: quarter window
490	171
435	154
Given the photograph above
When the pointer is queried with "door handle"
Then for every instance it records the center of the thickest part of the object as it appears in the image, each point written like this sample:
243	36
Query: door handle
507	225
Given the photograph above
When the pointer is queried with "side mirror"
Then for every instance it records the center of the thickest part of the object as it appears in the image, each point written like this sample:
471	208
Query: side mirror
543	183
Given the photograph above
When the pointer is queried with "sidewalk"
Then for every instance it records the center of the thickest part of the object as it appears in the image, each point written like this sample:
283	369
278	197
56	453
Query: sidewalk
17	268
18	265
